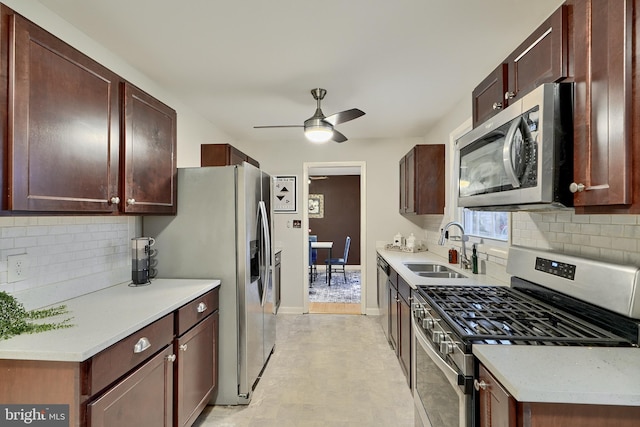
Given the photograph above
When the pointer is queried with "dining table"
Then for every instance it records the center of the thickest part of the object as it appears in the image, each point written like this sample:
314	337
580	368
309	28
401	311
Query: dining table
329	247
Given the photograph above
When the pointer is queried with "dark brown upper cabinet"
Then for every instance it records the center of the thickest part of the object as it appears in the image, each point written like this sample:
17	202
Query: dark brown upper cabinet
422	175
149	147
63	124
542	58
488	95
77	137
606	105
223	155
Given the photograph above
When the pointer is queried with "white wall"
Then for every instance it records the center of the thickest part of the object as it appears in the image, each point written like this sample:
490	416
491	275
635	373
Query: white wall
382	218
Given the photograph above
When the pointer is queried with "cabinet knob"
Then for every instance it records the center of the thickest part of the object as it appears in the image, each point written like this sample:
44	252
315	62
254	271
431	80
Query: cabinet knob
171	358
115	200
183	347
576	188
131	201
202	307
497	105
509	95
479	385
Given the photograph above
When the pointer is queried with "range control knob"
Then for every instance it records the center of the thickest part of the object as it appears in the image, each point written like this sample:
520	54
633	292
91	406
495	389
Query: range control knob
436	336
446	346
418	313
429	324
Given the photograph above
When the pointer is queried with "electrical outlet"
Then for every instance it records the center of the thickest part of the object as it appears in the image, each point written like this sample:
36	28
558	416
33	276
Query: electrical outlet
17	267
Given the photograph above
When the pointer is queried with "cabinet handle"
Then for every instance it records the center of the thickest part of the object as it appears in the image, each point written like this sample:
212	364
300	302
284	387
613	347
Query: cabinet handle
576	188
171	358
183	347
497	105
131	201
480	385
142	344
115	200
202	307
509	95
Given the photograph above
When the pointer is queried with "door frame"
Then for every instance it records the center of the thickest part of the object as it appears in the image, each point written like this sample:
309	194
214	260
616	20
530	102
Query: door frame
363	226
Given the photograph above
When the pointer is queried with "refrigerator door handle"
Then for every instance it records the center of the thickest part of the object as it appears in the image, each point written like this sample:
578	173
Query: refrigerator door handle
265	250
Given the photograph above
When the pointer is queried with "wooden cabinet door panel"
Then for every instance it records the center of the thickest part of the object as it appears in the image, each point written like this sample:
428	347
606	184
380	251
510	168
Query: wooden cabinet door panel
542	57
403	185
196	373
497	406
142	399
602	101
488	96
404	344
150	154
64	127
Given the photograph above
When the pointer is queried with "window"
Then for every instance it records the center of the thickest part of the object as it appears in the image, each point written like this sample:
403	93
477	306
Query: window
489	225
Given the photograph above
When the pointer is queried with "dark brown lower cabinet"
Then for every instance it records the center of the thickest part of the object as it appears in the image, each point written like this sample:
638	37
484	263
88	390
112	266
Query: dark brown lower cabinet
196	373
400	321
143	399
499	409
161	375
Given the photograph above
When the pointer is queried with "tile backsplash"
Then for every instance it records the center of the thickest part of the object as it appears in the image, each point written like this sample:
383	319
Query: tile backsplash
609	238
612	238
66	256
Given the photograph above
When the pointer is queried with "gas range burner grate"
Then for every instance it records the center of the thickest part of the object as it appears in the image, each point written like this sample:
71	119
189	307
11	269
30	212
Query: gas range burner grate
500	315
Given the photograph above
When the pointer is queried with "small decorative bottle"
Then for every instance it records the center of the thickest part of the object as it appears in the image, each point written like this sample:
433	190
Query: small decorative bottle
398	240
474	260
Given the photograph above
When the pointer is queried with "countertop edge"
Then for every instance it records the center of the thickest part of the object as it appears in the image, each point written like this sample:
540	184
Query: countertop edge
112	324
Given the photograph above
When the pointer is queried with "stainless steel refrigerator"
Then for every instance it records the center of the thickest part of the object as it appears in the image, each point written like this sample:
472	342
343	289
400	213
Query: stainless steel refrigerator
223	231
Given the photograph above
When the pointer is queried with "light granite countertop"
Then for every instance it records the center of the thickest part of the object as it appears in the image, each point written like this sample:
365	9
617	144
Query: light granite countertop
103	318
397	259
580	375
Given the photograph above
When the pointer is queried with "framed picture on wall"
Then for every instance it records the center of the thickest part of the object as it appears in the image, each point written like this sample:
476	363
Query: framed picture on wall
285	194
316	206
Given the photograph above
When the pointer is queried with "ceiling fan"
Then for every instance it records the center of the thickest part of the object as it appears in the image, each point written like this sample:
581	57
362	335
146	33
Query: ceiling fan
319	128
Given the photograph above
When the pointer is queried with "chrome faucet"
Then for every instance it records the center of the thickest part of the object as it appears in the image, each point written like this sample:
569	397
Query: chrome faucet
464	261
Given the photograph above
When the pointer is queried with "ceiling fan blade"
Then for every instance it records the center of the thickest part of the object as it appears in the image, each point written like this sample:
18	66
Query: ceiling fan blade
278	126
344	116
338	137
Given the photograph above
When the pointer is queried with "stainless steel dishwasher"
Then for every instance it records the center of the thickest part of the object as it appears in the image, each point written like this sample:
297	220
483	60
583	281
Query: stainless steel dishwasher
383	294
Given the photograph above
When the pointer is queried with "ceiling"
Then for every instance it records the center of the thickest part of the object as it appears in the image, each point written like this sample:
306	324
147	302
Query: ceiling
239	63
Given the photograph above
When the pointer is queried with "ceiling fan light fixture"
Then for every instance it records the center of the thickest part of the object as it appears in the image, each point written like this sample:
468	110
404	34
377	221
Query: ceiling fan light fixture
318	134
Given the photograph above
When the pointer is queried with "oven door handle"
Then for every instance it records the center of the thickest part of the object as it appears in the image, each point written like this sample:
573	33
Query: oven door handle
453	376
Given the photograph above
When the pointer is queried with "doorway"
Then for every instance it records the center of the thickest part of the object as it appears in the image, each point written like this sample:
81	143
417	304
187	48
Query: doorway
322	176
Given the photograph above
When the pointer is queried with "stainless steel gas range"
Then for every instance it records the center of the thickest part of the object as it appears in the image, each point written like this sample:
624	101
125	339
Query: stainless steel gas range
554	299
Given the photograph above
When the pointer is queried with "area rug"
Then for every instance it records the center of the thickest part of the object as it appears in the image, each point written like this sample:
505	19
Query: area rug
339	291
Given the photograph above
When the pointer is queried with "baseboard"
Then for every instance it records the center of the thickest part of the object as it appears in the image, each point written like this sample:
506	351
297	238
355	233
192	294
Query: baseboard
290	310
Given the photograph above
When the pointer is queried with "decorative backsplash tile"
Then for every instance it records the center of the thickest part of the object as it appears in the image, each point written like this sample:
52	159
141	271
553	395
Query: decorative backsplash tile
67	256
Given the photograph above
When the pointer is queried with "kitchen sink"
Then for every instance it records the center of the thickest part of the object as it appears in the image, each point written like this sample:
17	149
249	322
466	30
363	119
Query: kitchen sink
441	274
427	268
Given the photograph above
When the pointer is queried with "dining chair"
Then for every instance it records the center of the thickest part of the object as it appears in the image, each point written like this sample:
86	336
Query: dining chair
313	257
338	264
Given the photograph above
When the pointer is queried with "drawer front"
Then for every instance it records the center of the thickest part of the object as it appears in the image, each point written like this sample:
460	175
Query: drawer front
404	289
196	310
115	361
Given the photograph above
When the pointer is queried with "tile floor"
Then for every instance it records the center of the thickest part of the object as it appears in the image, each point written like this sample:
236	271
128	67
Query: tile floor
327	370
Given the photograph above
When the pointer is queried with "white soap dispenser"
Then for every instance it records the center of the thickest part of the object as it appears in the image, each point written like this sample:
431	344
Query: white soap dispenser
398	240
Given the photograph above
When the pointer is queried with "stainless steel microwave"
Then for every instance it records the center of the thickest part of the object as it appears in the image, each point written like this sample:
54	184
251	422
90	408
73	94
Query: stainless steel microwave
521	158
